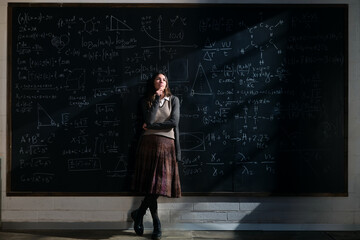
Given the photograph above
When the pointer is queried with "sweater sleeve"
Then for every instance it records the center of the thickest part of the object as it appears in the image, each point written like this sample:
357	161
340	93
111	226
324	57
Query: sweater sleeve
150	113
173	121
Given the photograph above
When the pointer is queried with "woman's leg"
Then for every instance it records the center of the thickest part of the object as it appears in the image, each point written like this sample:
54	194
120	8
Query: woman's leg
138	216
154	214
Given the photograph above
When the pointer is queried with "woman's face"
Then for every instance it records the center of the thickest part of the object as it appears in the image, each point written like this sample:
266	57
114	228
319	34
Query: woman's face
160	82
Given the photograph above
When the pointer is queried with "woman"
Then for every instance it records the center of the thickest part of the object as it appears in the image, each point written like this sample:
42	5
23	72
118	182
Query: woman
156	168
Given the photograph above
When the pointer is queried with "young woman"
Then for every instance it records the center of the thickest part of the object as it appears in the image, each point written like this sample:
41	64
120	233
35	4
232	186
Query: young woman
156	167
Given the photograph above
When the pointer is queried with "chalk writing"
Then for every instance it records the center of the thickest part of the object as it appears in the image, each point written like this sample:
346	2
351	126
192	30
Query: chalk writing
262	94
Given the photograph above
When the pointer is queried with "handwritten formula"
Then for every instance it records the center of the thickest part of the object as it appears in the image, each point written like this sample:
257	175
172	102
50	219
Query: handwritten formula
262	94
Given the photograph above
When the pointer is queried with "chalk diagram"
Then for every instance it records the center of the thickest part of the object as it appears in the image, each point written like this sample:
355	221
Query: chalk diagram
201	85
44	118
116	24
167	45
120	168
262	38
60	42
89	26
192	141
75	80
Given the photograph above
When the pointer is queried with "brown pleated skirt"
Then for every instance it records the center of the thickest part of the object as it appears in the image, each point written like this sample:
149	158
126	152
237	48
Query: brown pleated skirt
156	168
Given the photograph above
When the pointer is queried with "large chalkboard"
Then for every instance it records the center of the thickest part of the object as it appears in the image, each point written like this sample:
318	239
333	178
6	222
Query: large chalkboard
263	91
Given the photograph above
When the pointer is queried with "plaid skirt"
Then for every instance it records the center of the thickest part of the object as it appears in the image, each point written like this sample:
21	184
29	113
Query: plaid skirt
156	168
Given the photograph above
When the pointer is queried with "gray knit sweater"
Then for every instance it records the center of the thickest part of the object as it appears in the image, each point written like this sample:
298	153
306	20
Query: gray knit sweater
172	122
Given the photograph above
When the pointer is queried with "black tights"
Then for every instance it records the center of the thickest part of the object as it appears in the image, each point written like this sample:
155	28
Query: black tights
151	198
151	202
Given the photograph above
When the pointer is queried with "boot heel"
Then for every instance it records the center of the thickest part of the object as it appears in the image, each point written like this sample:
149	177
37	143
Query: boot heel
156	235
138	223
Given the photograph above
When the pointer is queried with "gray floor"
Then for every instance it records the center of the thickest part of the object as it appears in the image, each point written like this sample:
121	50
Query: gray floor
174	235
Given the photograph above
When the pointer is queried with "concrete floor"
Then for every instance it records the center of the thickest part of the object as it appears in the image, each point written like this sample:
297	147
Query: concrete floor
174	235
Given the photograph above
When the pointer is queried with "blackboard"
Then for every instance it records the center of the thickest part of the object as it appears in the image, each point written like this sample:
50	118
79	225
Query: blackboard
263	92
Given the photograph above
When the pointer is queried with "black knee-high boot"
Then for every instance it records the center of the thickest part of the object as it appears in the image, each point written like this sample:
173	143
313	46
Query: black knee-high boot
138	216
156	221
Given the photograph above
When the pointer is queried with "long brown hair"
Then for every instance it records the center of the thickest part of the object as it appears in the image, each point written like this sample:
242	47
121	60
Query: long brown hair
151	91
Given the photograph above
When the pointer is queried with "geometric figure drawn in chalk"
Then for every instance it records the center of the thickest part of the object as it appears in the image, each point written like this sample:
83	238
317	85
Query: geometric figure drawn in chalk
201	85
262	38
89	25
44	118
207	57
75	80
120	169
179	70
118	25
60	41
192	141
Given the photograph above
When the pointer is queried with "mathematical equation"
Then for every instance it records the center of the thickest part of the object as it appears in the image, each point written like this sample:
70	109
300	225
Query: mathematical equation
252	86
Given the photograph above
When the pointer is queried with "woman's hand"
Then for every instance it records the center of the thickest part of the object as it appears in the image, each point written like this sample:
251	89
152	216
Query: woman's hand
160	92
144	126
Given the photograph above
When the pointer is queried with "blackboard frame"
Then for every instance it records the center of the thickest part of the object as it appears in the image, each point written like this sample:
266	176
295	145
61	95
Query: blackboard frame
10	192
